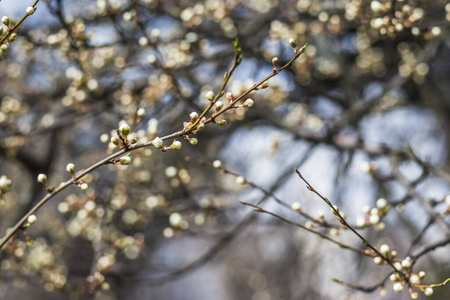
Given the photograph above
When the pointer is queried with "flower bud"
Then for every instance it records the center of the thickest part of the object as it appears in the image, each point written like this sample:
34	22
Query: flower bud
200	127
398	287
176	145
30	10
248	103
124	129
384	249
381	203
210	95
70	168
229	96
428	291
217	164
42	178
414	295
378	260
421	274
13	37
5	46
414	279
222	122
140	112
157	142
5	183
193	141
241	180
31	219
293	43
219	105
406	263
84	186
126	160
275	61
114	140
296	206
265	85
194	116
5	20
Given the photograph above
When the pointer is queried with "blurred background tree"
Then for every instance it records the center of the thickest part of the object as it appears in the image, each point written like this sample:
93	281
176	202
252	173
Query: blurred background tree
364	113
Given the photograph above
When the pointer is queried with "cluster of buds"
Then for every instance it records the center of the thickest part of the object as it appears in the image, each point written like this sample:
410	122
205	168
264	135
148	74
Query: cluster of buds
194	118
403	275
123	139
374	215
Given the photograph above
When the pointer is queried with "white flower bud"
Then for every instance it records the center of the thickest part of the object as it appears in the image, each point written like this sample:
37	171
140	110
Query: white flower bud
157	142
124	129
275	61
30	10
381	203
84	186
393	277
292	43
222	122
378	260
414	279
5	183
32	219
406	263
194	116
248	103
398	266
360	221
421	274
217	164
210	95
219	105
240	180
428	291
140	112
193	141
70	168
125	160
398	287
384	249
5	20
414	295
42	178
374	219
296	206
176	145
